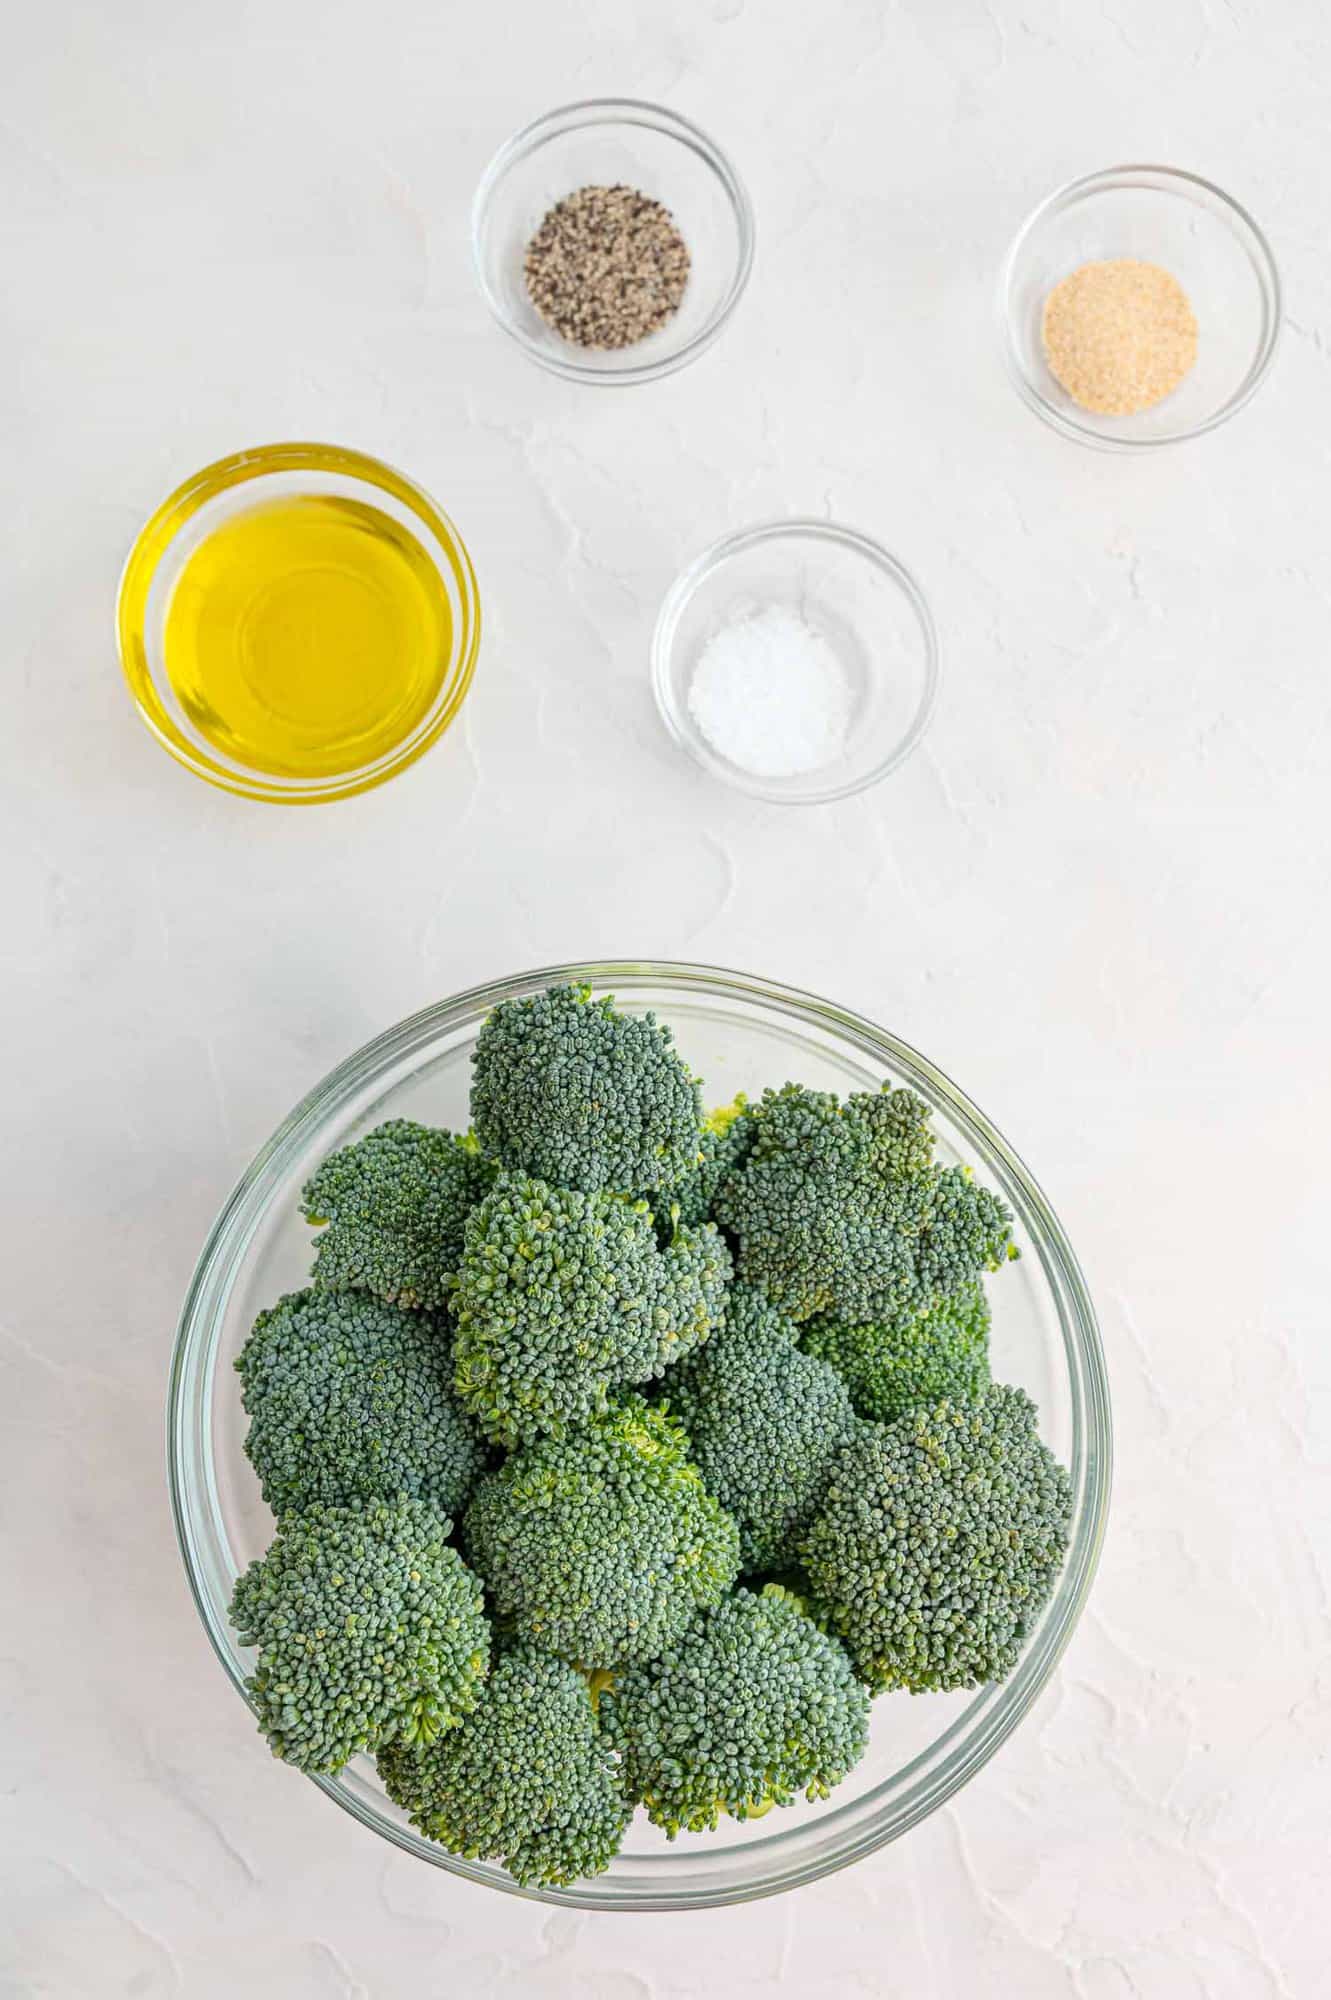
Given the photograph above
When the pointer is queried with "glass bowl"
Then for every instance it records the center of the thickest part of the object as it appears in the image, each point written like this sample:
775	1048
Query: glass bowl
232	485
741	1033
604	142
1161	216
848	589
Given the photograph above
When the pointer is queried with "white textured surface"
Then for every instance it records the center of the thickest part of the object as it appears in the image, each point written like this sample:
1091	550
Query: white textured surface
1098	896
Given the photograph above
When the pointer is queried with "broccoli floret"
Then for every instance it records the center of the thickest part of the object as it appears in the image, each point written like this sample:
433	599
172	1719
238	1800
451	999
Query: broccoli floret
939	1541
350	1399
919	1355
838	1207
601	1545
751	1706
815	1205
582	1840
562	1296
566	1088
969	1230
723	1142
765	1421
527	1780
794	1585
394	1205
370	1630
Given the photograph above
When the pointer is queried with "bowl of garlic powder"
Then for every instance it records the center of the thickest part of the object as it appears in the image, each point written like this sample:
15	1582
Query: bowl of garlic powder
1138	307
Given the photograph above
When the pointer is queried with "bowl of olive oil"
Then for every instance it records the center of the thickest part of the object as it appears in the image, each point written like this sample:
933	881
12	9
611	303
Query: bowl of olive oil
298	623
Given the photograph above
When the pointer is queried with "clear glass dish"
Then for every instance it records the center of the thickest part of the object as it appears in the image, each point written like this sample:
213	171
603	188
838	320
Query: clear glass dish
1161	216
604	142
851	591
248	478
741	1033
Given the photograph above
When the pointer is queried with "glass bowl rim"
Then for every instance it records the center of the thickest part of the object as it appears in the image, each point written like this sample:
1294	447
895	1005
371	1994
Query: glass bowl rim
712	558
256	463
1000	1708
1265	268
607	111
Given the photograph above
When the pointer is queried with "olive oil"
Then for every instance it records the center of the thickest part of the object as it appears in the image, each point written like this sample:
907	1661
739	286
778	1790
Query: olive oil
308	636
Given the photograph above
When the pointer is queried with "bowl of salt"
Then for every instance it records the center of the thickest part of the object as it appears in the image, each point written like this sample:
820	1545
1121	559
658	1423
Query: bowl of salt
796	661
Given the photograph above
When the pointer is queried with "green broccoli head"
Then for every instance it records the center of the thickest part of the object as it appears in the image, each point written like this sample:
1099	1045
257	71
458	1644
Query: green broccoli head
527	1780
919	1355
750	1707
969	1230
370	1630
581	1839
566	1088
838	1207
939	1541
602	1544
393	1206
350	1399
765	1421
562	1296
723	1142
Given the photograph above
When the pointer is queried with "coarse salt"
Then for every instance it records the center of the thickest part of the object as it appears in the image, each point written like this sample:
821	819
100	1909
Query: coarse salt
770	694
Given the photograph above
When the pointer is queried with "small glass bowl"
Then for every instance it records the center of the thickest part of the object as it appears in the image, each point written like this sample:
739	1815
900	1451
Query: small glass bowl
232	485
848	588
601	143
1192	229
739	1033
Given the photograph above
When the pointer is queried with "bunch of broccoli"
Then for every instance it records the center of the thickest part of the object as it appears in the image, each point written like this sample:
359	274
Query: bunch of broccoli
559	1383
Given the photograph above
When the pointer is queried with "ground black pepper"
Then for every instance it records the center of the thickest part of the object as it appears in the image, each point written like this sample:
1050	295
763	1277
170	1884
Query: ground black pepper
607	267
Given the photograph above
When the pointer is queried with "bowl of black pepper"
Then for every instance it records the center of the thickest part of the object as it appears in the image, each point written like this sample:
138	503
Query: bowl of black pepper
612	240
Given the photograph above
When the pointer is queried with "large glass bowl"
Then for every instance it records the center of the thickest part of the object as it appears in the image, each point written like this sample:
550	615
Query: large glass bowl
739	1033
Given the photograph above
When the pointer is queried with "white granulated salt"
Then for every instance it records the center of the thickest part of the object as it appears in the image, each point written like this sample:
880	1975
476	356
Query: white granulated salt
770	694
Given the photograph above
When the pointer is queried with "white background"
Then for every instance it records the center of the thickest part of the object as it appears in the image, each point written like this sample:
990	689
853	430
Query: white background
1097	896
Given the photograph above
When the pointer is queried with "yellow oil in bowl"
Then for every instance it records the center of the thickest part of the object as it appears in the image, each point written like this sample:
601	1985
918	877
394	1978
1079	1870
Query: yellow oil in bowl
307	636
298	622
